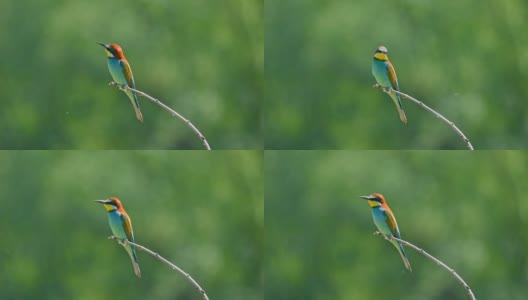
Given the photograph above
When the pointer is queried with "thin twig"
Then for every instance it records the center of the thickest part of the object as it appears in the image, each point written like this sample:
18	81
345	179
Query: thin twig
165	107
455	128
437	261
156	255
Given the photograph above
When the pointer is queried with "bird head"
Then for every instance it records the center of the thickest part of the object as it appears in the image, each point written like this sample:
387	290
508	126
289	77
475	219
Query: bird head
113	50
375	199
111	203
381	53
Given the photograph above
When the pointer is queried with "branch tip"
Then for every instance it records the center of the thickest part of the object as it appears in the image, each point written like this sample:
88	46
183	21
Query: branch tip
434	259
171	265
435	113
170	110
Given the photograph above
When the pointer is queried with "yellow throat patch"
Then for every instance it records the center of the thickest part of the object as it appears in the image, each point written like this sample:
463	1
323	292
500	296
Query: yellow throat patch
381	56
111	207
374	203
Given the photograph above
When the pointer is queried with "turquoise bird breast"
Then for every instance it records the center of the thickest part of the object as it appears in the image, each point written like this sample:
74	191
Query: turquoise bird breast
116	224
380	70
114	66
379	215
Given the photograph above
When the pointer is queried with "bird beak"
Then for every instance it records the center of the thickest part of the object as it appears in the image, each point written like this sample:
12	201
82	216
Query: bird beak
365	197
104	45
101	201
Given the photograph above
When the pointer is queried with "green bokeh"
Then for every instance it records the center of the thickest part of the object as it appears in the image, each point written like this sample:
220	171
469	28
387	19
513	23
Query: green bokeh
467	209
466	59
202	211
202	58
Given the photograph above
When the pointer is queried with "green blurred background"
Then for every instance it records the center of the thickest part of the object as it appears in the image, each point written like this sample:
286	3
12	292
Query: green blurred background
466	59
202	58
202	211
467	209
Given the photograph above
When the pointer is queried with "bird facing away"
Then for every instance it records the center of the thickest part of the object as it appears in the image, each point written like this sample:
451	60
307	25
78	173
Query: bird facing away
122	73
121	227
385	75
386	222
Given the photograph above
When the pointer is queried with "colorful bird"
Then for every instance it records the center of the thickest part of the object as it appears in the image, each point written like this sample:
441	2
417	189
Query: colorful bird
385	75
386	222
121	227
121	73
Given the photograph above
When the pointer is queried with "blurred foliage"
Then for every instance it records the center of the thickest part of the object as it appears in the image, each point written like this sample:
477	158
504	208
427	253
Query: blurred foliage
202	211
202	58
467	209
466	59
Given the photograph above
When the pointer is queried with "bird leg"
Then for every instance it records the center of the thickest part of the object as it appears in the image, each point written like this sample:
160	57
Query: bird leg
387	237
120	86
385	89
120	241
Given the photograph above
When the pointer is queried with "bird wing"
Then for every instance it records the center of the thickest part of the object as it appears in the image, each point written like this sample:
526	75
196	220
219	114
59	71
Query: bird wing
127	225
392	76
128	73
391	221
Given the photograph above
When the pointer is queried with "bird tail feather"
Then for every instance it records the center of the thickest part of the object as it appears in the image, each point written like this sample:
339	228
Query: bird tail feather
399	246
399	107
403	118
133	258
138	272
139	116
135	104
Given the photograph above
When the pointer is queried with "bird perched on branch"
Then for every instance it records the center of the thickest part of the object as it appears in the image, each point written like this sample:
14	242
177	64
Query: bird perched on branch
122	73
386	223
385	75
121	227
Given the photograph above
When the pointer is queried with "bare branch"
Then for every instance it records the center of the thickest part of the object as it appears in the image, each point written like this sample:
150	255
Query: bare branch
455	128
156	255
437	261
170	110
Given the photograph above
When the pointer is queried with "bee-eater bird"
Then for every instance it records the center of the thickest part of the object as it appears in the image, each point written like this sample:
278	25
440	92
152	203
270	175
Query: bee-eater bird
385	75
386	222
122	73
121	227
